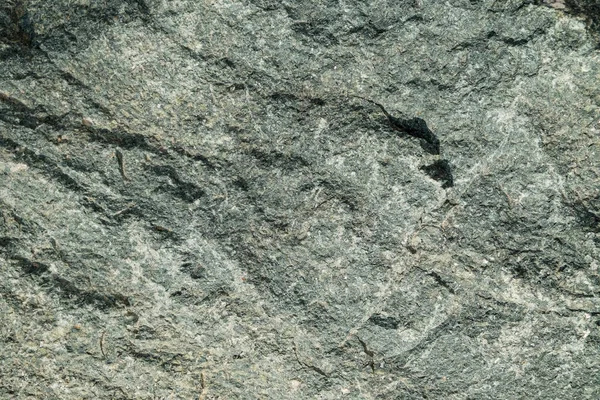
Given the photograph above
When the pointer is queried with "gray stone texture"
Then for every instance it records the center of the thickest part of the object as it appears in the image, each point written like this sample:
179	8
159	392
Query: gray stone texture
195	205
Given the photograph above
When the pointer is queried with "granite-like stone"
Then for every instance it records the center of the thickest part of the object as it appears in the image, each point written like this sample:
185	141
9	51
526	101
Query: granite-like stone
195	204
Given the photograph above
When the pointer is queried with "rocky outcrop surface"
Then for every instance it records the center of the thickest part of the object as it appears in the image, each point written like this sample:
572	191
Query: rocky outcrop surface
198	202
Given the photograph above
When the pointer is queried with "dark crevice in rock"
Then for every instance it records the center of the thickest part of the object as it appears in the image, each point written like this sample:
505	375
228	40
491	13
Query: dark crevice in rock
440	171
415	127
16	24
383	321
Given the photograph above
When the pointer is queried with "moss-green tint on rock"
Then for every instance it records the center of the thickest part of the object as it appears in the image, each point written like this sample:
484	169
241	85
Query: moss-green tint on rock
195	204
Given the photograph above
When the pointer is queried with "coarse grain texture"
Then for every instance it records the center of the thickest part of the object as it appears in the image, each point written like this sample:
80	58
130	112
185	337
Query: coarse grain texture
195	205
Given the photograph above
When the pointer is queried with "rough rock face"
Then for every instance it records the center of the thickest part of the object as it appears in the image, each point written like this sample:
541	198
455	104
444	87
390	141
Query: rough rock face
195	204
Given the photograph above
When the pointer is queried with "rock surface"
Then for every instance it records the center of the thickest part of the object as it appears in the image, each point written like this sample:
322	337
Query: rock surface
195	205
